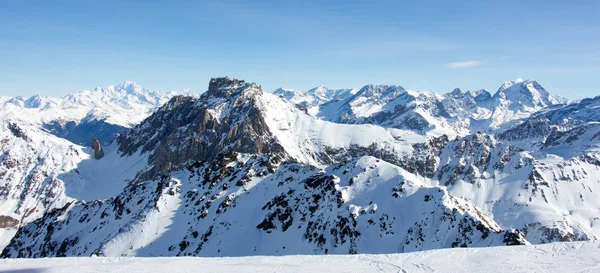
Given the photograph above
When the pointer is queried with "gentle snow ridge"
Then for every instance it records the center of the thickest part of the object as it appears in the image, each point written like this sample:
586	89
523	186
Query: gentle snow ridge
557	257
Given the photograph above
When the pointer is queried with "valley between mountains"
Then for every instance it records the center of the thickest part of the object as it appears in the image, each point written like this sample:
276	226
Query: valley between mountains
238	171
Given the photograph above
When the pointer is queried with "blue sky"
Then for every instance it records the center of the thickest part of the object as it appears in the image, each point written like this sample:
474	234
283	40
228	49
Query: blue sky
58	47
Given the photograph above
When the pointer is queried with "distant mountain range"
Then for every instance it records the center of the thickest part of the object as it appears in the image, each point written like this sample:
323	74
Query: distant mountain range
100	112
455	113
238	171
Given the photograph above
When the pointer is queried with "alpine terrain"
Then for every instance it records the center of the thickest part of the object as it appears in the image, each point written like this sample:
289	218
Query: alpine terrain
237	171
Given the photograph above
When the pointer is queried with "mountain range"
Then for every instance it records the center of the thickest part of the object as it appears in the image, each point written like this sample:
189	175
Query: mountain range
238	171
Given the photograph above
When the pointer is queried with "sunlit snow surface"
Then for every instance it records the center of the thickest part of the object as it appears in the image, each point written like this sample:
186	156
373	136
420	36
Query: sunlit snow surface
557	257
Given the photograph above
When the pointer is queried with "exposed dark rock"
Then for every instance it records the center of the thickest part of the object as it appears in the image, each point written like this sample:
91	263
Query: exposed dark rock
8	222
186	128
98	152
17	131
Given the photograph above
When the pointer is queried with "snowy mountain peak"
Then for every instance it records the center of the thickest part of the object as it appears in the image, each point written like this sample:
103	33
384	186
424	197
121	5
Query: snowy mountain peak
319	88
36	101
100	112
479	92
131	87
481	95
380	91
120	93
321	91
521	94
518	81
456	92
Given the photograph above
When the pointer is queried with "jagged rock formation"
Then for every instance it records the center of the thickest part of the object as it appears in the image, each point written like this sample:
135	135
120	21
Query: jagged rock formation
98	152
224	119
16	131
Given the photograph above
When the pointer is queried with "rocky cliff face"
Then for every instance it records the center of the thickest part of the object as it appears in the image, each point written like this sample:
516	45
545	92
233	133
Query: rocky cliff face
185	129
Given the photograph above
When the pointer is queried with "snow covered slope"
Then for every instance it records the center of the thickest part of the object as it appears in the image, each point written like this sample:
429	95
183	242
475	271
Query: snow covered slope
41	172
548	194
556	257
42	169
31	163
251	208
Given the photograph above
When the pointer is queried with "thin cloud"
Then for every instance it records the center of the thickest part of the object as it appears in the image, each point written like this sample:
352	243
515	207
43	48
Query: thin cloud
465	64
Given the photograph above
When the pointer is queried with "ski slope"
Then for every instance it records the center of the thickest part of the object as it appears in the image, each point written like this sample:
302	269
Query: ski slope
556	257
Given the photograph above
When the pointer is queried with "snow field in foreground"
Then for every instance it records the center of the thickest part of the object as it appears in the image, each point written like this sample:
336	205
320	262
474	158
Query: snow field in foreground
556	257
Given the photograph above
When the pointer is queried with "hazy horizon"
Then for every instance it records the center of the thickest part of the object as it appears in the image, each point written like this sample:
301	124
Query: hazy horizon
492	92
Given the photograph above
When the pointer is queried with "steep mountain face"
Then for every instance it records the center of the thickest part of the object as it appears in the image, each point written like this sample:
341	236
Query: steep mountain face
533	132
238	171
31	162
519	99
40	172
522	95
100	113
225	118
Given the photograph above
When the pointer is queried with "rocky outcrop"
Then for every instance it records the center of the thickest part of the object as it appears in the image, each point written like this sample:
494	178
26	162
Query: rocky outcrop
98	152
8	222
17	131
225	119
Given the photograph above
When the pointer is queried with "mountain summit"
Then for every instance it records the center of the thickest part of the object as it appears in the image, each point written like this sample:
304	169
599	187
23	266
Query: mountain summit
523	95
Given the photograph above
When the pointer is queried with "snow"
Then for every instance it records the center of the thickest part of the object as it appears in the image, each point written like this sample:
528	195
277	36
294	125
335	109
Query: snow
38	158
303	135
101	179
125	104
556	257
468	112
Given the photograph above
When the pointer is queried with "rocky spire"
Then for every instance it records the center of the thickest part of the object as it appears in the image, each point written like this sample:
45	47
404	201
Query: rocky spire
98	152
